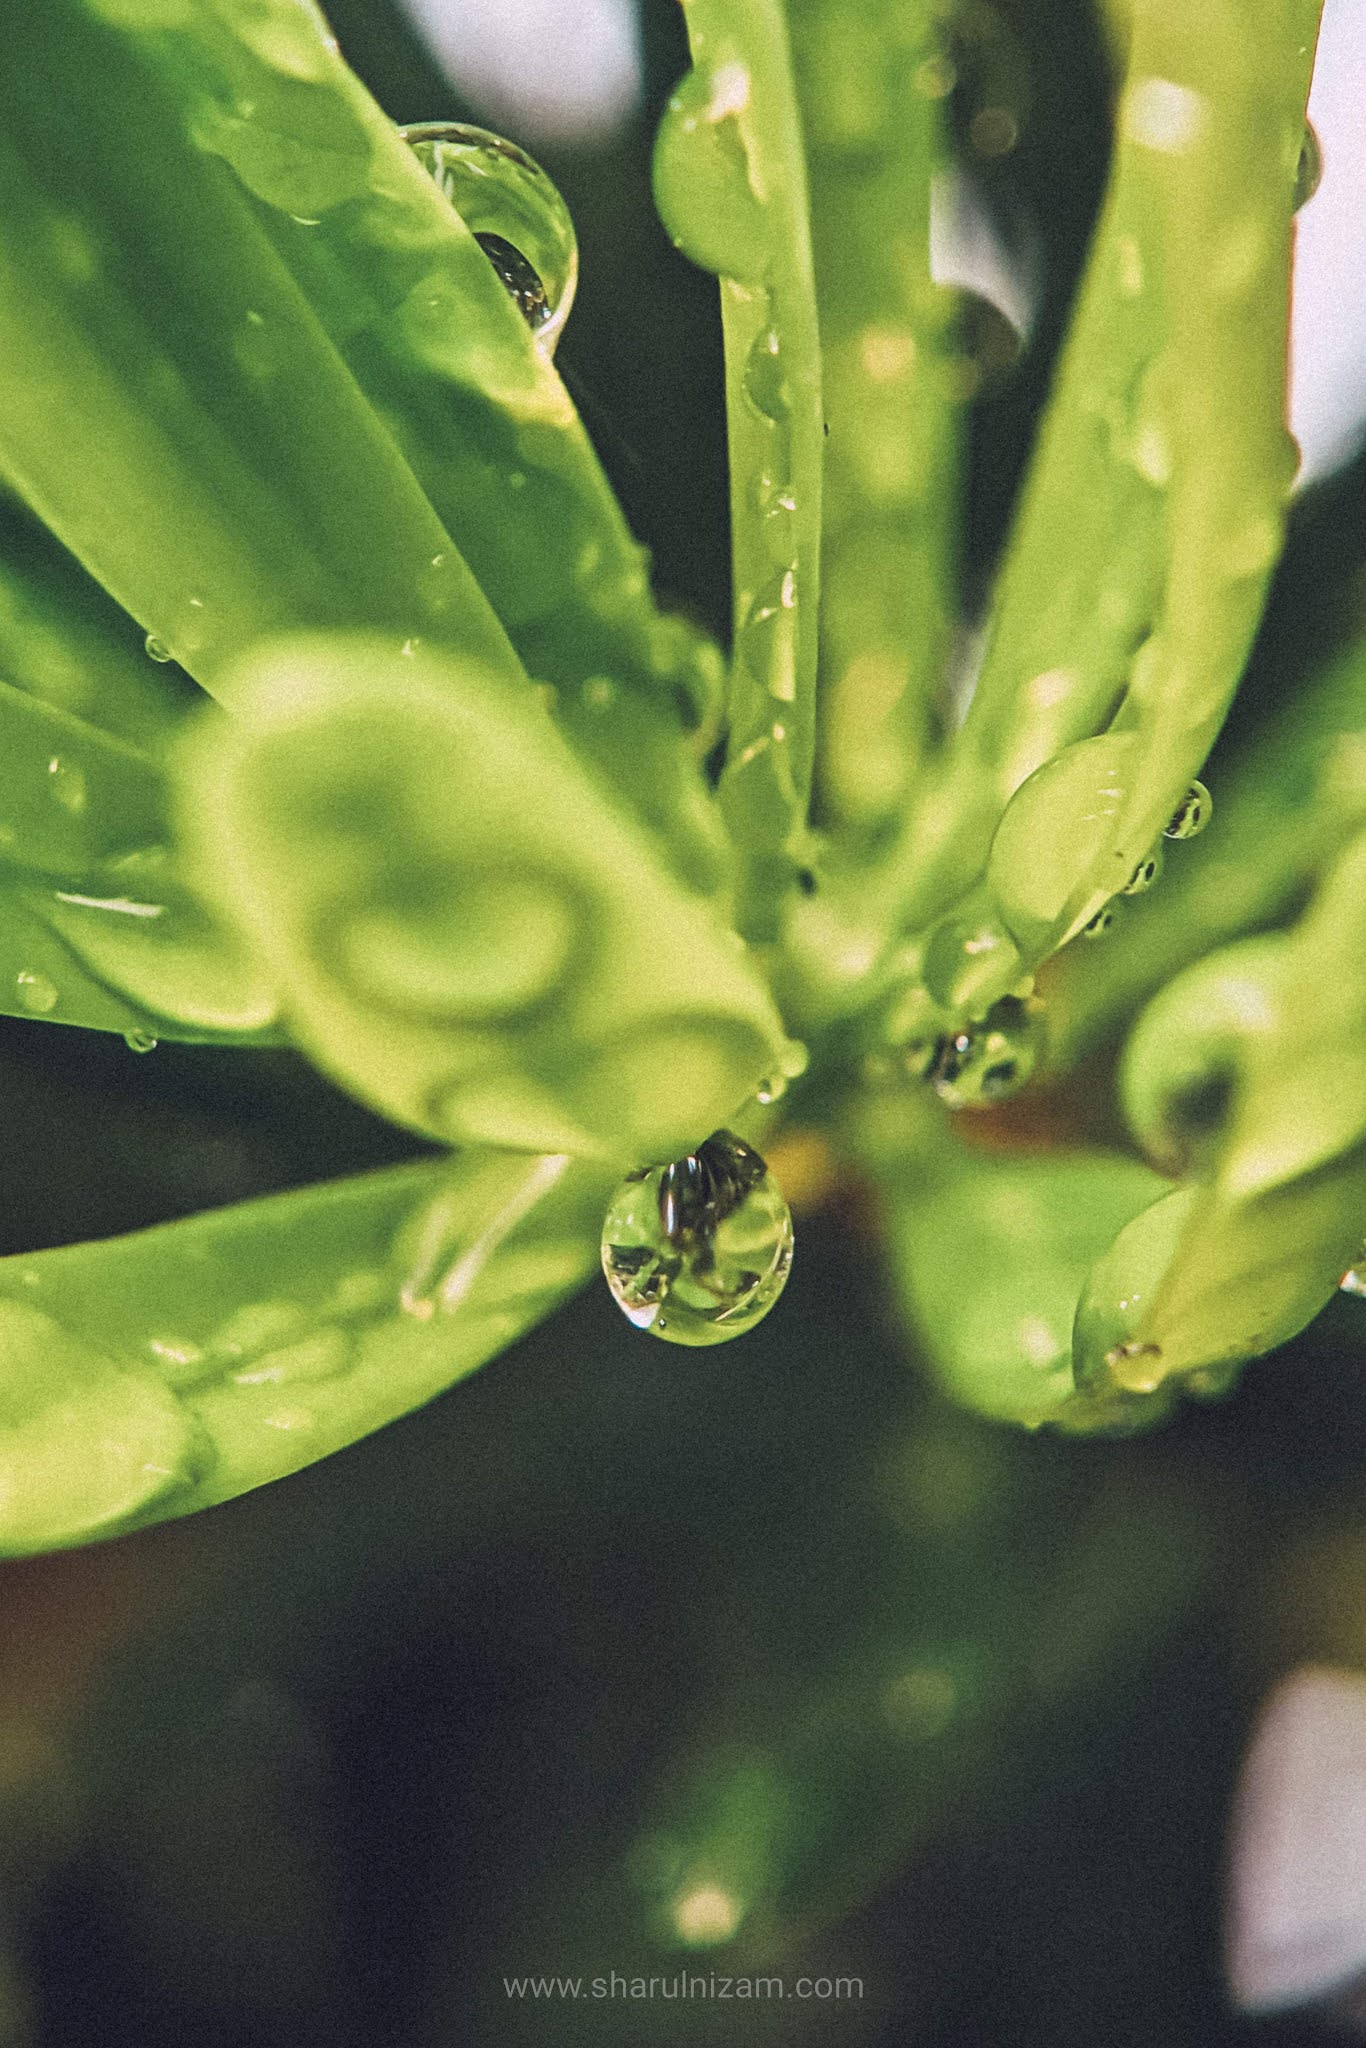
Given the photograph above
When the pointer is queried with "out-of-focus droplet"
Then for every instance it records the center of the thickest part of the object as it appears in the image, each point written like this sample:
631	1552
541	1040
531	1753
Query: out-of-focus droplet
988	1061
36	993
698	1252
514	212
1191	815
1135	1367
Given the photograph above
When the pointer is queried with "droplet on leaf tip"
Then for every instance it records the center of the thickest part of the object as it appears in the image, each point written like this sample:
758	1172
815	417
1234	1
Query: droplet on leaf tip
707	1238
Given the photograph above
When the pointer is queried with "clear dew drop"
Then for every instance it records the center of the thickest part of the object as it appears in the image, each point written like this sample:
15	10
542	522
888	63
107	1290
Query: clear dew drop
1309	169
36	994
1191	815
989	1060
139	1041
514	212
765	380
157	650
1353	1280
697	1252
1100	924
1144	875
704	184
1135	1367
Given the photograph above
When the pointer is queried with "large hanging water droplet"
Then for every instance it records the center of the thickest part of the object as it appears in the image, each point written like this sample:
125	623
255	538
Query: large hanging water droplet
987	1061
514	212
1309	169
698	1252
1191	815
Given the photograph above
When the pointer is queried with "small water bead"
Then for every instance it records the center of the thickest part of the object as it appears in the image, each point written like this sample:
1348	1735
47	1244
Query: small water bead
990	1060
36	993
514	212
139	1041
1309	169
771	1089
1191	815
1353	1280
157	649
1144	875
765	379
703	178
1135	1367
698	1251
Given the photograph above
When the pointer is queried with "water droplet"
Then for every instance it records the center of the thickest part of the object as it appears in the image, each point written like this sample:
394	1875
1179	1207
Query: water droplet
37	994
764	380
969	964
1191	815
1309	169
1353	1280
1096	927
705	187
1145	874
157	649
989	1060
67	785
698	1252
1136	1367
771	1089
139	1041
514	212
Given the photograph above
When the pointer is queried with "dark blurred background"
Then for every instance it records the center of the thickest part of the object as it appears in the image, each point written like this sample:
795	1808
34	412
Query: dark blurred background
614	1646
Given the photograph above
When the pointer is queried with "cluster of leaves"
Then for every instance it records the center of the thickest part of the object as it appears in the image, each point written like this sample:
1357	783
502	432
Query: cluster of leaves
453	826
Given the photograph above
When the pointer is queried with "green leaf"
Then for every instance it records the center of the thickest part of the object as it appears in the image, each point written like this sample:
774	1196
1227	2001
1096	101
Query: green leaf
1155	507
875	139
152	1375
463	932
730	183
64	641
172	406
1255	1248
990	1257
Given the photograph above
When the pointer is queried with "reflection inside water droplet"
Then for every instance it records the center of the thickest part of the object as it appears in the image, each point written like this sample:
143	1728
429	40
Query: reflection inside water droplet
514	212
698	1251
987	1061
1144	875
1191	815
139	1041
